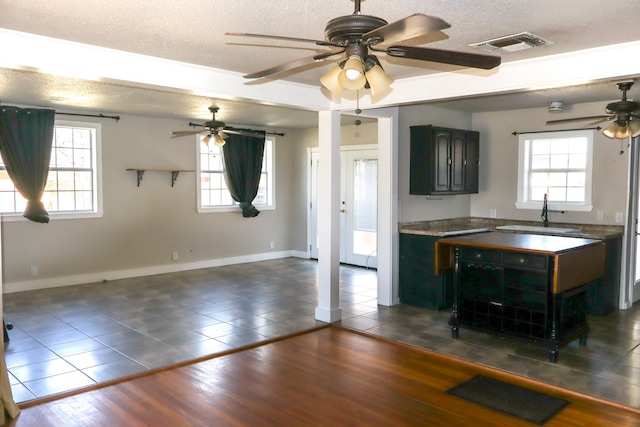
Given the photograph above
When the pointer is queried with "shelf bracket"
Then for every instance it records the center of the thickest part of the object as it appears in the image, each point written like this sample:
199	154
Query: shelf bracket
140	174
174	176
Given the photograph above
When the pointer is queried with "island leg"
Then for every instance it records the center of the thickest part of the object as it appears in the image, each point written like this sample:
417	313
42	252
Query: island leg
454	321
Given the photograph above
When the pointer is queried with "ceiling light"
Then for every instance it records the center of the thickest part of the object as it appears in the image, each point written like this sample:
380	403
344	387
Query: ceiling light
634	127
205	139
377	79
618	129
330	80
352	76
355	74
218	140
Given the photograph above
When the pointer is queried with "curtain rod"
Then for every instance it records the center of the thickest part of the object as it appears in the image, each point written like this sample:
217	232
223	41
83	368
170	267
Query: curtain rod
251	130
116	118
561	130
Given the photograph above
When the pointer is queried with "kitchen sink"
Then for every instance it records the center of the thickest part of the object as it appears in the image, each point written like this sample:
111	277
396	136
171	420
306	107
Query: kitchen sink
537	229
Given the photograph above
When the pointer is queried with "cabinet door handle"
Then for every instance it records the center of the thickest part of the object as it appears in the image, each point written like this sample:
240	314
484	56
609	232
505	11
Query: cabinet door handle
464	162
449	161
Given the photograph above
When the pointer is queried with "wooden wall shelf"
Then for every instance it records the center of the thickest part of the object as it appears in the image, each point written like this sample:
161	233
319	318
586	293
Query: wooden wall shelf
174	173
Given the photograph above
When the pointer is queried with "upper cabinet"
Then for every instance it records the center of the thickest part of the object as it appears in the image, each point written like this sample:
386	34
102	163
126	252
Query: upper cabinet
443	160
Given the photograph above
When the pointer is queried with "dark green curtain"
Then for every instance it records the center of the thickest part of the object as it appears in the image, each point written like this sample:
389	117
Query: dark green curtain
243	166
26	137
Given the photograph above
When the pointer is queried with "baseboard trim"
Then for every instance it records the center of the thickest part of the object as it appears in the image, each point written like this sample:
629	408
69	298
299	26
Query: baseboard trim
105	276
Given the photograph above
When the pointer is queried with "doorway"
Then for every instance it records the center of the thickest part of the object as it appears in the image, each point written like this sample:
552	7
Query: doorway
358	205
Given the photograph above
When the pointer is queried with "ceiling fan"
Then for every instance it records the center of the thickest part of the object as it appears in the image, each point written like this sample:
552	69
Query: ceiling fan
624	113
357	35
214	129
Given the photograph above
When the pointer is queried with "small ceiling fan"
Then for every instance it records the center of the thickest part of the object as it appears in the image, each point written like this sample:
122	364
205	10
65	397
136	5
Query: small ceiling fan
356	35
624	113
214	129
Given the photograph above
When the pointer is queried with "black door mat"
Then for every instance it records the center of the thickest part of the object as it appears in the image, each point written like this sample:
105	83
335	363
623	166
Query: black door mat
510	399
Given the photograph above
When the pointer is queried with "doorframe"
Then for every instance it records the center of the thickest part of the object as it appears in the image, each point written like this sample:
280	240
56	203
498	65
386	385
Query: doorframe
310	152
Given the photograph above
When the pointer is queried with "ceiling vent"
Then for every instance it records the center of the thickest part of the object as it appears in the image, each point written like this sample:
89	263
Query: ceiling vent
512	43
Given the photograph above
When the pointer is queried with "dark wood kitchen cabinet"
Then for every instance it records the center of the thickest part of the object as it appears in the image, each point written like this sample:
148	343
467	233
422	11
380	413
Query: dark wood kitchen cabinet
443	160
419	284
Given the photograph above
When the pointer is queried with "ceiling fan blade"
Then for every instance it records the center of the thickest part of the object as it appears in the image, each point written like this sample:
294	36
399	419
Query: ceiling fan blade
580	119
289	39
464	59
407	28
185	133
292	64
597	122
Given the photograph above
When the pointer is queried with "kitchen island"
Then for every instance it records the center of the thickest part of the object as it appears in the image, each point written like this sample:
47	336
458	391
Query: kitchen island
530	286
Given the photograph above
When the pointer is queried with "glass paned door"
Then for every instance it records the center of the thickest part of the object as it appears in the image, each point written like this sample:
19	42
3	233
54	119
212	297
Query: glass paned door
359	204
360	208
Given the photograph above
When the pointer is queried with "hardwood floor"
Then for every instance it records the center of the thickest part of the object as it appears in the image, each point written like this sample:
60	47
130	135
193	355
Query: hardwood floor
331	377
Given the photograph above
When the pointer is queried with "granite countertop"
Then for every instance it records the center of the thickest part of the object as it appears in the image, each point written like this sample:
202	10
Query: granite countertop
455	226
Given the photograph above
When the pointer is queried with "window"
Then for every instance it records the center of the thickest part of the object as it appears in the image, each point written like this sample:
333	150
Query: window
213	194
72	188
557	164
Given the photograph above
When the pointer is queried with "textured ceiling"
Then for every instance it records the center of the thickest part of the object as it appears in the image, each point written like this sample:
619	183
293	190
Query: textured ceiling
192	31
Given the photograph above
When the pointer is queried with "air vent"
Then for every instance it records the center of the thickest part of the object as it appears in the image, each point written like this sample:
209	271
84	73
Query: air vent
513	43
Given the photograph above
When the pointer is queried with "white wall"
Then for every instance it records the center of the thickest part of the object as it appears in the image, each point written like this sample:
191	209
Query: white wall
142	226
499	165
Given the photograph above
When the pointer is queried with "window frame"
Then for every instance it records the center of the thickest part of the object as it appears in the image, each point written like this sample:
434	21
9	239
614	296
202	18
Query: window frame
96	175
269	139
523	201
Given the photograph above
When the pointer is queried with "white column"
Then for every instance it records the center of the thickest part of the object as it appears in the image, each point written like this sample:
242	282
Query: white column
387	230
328	309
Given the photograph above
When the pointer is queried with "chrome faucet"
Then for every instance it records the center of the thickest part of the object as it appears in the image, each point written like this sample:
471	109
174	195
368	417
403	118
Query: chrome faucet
545	212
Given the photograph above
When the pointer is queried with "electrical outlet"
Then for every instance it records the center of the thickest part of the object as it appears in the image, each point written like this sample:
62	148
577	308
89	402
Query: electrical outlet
34	270
272	245
493	213
619	217
174	256
600	216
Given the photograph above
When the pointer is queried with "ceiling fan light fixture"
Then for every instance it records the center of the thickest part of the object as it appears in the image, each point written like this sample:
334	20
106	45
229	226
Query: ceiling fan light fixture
610	131
634	127
205	139
219	140
376	77
352	76
330	80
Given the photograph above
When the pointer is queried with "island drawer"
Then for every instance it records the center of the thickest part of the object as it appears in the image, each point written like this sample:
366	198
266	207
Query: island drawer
479	255
519	259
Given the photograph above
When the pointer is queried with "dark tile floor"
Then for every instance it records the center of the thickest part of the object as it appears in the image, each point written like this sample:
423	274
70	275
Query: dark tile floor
71	337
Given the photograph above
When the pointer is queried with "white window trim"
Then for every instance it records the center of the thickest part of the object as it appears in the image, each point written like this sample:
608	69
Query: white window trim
98	213
261	208
521	202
